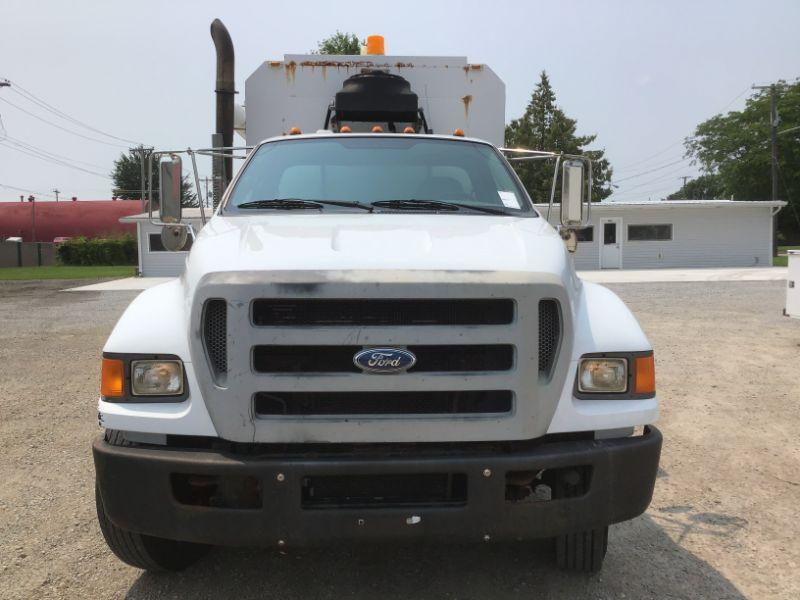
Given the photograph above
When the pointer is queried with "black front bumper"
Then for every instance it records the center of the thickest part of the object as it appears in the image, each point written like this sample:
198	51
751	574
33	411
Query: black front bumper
137	488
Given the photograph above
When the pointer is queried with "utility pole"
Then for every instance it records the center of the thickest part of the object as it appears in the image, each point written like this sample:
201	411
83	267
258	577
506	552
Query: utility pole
143	153
205	180
56	191
684	177
773	135
32	201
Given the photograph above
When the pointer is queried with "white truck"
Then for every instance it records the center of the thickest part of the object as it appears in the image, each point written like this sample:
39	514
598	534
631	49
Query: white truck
376	337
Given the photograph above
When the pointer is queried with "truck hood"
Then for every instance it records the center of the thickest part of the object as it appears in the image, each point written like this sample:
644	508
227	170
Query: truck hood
299	242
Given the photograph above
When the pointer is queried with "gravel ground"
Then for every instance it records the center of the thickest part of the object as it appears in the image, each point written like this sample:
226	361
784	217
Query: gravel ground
723	523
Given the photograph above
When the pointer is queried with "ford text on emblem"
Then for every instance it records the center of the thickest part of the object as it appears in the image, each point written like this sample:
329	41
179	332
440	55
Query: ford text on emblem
384	360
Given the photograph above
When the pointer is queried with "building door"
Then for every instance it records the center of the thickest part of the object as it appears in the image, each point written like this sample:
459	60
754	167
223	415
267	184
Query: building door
611	243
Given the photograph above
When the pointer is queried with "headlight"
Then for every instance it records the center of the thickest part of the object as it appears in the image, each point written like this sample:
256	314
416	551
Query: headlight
156	378
603	375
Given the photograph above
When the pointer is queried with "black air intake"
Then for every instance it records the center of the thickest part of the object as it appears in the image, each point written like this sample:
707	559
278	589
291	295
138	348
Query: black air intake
549	335
215	336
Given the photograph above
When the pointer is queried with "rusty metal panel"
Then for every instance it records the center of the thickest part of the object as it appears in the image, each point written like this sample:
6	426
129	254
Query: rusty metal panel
296	92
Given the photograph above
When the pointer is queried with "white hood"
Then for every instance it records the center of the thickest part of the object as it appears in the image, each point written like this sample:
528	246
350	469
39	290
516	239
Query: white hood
319	242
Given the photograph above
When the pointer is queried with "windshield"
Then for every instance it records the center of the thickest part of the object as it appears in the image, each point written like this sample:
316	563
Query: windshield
397	173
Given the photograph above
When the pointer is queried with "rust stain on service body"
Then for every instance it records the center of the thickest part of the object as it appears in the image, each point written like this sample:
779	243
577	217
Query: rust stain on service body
466	100
291	69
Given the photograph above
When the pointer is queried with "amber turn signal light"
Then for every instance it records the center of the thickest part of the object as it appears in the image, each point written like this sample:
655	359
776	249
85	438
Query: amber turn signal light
112	378
645	375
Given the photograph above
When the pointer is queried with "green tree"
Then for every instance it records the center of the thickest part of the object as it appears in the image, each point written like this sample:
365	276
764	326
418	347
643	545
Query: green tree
704	187
735	149
544	126
127	178
339	43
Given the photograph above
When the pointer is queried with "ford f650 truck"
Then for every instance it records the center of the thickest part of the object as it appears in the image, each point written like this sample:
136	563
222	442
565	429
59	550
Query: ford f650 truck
376	337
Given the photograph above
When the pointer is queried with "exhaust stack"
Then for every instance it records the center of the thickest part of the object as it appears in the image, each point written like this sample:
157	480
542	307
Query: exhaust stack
225	89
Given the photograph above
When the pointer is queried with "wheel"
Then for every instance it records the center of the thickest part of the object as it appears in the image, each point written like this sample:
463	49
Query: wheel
583	551
144	551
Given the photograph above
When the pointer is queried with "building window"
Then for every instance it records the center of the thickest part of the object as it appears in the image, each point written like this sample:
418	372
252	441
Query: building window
649	233
157	246
586	234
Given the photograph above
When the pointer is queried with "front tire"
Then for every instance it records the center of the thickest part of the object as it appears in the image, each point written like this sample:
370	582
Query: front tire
145	551
583	551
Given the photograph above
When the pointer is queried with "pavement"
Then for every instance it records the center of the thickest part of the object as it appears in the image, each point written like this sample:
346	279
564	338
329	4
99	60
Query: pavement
610	276
723	523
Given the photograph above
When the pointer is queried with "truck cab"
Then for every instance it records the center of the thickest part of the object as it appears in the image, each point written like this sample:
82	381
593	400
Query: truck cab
376	337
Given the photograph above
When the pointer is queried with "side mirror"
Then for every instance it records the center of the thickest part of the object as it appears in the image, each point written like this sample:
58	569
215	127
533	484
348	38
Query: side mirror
572	184
169	184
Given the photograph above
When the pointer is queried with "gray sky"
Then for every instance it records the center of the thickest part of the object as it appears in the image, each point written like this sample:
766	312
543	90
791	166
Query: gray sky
639	74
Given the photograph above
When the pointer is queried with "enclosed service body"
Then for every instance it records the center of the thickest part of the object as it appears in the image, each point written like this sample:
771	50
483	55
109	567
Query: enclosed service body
297	91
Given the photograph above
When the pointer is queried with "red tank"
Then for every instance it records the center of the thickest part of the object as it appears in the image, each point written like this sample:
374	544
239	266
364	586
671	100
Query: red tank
89	218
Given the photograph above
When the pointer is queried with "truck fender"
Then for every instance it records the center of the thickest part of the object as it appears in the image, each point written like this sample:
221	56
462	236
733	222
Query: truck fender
156	322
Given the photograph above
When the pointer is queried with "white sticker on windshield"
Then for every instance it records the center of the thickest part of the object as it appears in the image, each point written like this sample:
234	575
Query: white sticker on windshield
509	199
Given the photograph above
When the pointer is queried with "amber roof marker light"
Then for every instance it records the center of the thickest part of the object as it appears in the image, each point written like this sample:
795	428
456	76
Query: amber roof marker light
295	131
458	133
409	130
345	129
375	44
377	129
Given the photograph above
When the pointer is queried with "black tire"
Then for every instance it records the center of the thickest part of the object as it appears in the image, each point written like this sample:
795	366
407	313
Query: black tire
583	551
143	551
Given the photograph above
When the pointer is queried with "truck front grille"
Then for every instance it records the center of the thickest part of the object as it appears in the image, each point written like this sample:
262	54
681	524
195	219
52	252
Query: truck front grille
382	312
339	359
275	351
269	404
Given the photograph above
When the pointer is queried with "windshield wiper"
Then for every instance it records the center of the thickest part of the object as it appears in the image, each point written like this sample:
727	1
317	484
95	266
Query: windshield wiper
282	204
415	204
300	204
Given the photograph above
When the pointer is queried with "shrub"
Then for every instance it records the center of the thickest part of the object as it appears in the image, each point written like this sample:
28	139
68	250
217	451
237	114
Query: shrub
96	251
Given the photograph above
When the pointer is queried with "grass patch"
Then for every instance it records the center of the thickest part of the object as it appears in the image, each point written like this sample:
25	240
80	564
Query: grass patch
780	261
65	272
783	249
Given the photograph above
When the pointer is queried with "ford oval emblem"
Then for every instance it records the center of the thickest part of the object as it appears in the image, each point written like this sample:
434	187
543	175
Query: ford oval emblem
384	360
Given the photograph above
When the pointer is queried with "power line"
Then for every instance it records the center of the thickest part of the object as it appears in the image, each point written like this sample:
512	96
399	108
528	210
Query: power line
652	156
670	175
86	137
651	170
27	146
659	153
53	160
21	91
641	193
19	189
